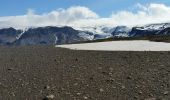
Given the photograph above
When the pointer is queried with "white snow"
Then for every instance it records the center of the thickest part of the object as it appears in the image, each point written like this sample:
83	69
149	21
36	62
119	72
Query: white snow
86	36
158	26
136	45
56	39
23	31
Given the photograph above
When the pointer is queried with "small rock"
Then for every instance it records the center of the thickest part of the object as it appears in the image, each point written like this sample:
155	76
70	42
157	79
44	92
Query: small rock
10	69
91	78
75	84
123	87
20	79
62	89
47	87
68	93
129	77
49	97
87	85
104	72
13	94
78	93
151	95
135	97
110	73
101	90
73	66
111	69
166	92
85	97
140	92
55	60
162	65
99	68
110	80
137	86
76	59
78	78
22	85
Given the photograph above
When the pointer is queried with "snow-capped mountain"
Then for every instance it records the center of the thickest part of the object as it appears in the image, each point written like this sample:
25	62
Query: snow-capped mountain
8	35
158	27
52	35
121	31
99	32
41	35
149	30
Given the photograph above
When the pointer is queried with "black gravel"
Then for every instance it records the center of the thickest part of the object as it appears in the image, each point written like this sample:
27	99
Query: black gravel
44	73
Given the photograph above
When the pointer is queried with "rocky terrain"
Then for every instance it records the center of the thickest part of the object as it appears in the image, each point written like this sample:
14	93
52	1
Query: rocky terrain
49	73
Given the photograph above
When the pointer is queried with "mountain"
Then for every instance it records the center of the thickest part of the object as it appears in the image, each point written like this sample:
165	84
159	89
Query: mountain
49	35
149	30
42	36
121	31
8	35
100	32
52	35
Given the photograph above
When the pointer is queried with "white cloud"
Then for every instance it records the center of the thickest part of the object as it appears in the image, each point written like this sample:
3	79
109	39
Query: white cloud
56	17
153	13
81	16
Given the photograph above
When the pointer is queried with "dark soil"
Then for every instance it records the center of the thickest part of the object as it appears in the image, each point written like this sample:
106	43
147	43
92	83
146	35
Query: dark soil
43	73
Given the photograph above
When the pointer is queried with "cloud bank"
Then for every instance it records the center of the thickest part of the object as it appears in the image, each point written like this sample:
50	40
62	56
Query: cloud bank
79	16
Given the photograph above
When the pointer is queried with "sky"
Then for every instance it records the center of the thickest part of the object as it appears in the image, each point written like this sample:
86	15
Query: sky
102	7
79	13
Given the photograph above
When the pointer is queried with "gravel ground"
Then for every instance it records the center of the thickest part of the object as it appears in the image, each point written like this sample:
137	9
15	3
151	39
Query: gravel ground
49	73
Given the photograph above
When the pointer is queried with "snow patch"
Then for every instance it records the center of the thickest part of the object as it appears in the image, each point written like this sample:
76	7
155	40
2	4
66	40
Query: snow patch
23	31
56	38
137	45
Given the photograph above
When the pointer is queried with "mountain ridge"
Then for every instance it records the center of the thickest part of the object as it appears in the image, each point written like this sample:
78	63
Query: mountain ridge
53	35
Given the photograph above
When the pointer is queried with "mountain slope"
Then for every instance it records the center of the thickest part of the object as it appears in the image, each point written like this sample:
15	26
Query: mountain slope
8	35
150	30
51	35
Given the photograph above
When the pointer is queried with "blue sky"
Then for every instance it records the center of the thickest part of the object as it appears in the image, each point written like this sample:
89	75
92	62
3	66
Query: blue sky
101	7
82	13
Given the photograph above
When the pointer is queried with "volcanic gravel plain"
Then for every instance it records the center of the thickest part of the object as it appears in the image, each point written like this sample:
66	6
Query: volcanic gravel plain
51	73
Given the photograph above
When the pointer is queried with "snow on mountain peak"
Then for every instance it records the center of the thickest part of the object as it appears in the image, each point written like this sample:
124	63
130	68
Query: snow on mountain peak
158	26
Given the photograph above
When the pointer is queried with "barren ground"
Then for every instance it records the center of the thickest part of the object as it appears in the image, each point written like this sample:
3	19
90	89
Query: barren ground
42	72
